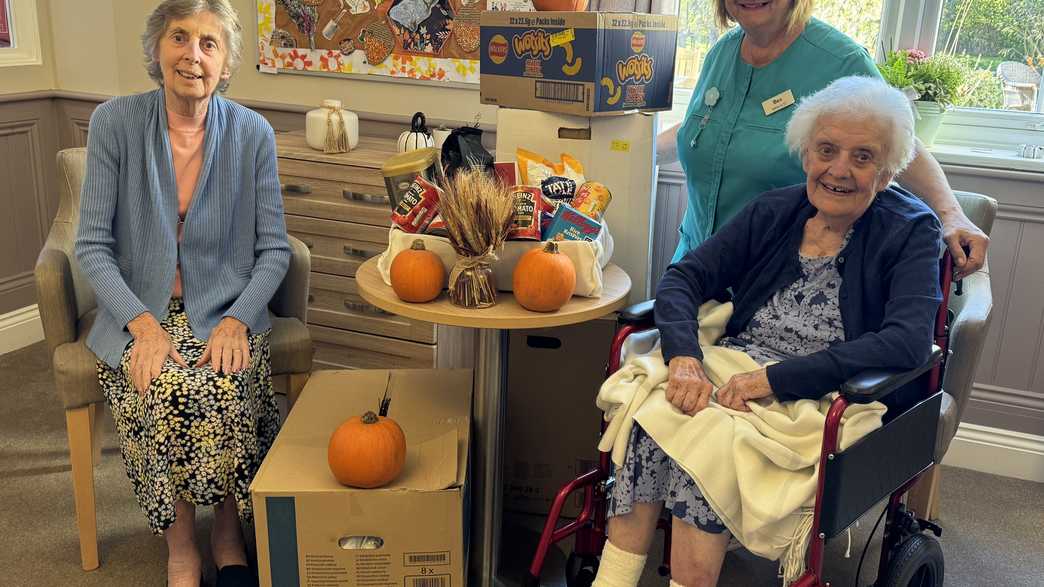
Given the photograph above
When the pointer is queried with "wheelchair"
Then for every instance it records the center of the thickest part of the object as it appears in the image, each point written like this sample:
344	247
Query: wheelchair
884	464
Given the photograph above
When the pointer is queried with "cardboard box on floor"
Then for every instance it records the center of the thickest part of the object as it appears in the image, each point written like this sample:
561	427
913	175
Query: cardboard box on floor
618	151
553	425
313	531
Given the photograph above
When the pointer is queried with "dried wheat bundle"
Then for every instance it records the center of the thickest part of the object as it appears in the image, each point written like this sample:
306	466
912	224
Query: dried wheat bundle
478	210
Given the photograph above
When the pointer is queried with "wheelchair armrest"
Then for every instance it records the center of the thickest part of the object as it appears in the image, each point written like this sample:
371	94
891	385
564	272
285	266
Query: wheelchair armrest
640	314
871	386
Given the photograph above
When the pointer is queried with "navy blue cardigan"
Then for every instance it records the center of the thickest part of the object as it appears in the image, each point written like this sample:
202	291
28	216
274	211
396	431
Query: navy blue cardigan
889	291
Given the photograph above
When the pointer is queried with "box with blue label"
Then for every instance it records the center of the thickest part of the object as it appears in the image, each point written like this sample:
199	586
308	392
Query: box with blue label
582	63
412	532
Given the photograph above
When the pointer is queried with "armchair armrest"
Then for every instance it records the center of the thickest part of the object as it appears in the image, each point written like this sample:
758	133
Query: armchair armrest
291	299
871	386
640	314
55	297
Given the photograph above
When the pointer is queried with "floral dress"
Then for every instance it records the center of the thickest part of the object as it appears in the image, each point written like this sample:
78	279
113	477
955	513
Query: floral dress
194	435
800	319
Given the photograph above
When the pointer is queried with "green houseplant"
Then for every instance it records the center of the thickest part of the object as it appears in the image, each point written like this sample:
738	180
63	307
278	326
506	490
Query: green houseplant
932	83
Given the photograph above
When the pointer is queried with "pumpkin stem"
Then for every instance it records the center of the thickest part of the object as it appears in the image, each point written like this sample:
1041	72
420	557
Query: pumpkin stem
385	403
418	245
551	247
369	418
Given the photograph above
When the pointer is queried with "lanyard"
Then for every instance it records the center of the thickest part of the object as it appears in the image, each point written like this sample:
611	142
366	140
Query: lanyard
710	99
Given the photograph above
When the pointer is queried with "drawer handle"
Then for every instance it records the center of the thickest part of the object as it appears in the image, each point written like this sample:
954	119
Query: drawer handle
364	308
311	298
297	188
365	198
360	253
307	243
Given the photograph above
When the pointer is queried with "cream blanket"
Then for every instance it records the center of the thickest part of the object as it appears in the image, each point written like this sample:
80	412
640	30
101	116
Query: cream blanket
757	470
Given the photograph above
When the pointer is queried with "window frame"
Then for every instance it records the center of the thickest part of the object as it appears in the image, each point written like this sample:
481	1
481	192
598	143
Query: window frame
915	25
25	35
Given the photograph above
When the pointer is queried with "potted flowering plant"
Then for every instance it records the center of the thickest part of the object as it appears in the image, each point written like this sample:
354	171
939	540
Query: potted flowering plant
931	83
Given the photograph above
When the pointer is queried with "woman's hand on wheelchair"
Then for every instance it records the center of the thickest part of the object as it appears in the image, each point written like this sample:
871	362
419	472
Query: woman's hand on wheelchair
688	387
744	387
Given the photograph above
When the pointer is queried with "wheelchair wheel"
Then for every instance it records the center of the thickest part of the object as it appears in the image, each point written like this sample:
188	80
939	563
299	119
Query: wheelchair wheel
580	571
917	562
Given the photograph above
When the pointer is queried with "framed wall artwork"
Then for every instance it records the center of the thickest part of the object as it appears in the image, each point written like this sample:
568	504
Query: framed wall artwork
425	40
5	26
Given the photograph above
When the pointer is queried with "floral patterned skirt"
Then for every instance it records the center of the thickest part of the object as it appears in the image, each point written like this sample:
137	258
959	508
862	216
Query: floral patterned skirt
195	435
648	475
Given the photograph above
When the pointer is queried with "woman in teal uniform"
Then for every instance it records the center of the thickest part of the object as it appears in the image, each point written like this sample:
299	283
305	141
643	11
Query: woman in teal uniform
731	143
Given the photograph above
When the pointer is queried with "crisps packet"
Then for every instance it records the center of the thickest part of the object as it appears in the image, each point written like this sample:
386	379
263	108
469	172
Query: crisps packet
533	168
571	168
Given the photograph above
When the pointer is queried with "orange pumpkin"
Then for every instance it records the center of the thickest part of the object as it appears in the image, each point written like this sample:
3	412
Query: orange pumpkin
544	279
417	274
367	451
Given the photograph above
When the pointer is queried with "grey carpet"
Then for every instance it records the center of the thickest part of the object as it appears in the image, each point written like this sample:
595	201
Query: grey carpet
993	526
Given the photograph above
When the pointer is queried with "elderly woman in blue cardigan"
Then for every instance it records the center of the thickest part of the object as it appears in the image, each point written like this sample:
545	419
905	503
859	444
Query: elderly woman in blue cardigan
182	237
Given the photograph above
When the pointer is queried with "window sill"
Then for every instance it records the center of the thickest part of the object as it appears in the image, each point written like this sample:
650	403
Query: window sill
988	157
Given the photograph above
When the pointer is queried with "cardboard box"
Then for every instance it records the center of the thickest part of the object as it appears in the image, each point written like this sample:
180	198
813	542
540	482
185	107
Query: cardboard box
553	425
313	531
620	152
582	63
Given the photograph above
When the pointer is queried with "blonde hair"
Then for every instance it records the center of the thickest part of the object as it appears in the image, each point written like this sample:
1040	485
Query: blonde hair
800	12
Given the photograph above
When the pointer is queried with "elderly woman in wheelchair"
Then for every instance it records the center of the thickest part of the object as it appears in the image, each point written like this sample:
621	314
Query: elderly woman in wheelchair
828	279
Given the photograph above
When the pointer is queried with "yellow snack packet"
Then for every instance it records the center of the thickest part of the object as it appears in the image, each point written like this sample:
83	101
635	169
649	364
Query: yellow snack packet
533	168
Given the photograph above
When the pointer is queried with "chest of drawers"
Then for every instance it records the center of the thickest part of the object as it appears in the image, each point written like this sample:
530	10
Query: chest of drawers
338	206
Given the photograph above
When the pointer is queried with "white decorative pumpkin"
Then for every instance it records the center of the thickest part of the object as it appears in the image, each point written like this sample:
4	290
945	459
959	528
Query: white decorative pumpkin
418	137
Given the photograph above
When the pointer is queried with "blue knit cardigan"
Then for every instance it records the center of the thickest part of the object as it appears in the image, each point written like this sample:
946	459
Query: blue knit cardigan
234	251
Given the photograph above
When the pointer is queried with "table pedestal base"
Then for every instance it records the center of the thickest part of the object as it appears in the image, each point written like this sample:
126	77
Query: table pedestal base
489	409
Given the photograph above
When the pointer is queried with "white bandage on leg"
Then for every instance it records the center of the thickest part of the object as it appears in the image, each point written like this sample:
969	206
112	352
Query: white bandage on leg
674	583
619	568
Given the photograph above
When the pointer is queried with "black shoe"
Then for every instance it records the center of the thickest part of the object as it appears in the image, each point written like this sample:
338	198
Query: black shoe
236	576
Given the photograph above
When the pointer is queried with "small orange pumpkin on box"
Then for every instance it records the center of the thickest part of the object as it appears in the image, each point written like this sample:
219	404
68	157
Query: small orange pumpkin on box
368	451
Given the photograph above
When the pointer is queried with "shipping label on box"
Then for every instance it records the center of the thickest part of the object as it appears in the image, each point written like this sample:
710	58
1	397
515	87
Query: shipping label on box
313	531
580	63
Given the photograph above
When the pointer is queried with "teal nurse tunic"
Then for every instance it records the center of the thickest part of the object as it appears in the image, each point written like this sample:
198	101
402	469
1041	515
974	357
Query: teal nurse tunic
730	150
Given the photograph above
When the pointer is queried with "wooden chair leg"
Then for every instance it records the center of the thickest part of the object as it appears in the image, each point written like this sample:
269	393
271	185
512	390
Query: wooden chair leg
78	423
295	382
923	497
96	433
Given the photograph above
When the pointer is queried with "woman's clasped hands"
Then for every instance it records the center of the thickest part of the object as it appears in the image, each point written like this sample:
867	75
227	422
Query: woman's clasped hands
690	390
227	350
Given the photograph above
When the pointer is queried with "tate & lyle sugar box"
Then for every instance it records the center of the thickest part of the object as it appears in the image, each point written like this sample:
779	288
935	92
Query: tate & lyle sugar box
582	63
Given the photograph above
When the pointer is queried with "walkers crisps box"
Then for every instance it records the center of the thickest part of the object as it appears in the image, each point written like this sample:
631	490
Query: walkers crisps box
582	63
313	531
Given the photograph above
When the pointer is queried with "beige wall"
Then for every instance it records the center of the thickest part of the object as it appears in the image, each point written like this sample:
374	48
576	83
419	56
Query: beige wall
113	65
31	78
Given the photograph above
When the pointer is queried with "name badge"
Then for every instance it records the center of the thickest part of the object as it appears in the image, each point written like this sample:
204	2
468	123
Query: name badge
777	102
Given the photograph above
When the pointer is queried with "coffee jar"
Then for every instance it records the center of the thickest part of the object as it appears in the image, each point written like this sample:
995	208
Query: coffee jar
400	170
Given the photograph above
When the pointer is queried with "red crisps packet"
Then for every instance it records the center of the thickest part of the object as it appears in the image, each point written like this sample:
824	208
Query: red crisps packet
529	204
417	206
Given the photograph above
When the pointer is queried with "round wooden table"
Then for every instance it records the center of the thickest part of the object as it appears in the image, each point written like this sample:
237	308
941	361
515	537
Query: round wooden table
489	405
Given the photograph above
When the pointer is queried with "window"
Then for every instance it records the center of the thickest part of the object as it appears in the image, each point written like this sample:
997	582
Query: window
5	27
1000	43
19	33
697	33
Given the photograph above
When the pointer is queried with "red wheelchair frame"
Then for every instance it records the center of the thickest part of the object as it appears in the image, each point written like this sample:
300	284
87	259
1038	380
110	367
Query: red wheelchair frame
834	510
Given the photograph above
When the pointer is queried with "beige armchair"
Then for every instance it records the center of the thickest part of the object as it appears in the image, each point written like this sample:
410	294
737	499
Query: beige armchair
971	320
67	310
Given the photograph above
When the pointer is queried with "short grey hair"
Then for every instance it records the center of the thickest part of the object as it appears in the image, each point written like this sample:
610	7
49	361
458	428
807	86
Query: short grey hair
861	98
170	10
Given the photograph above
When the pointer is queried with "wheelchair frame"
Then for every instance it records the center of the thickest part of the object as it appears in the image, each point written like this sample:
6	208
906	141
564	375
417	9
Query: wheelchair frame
882	464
